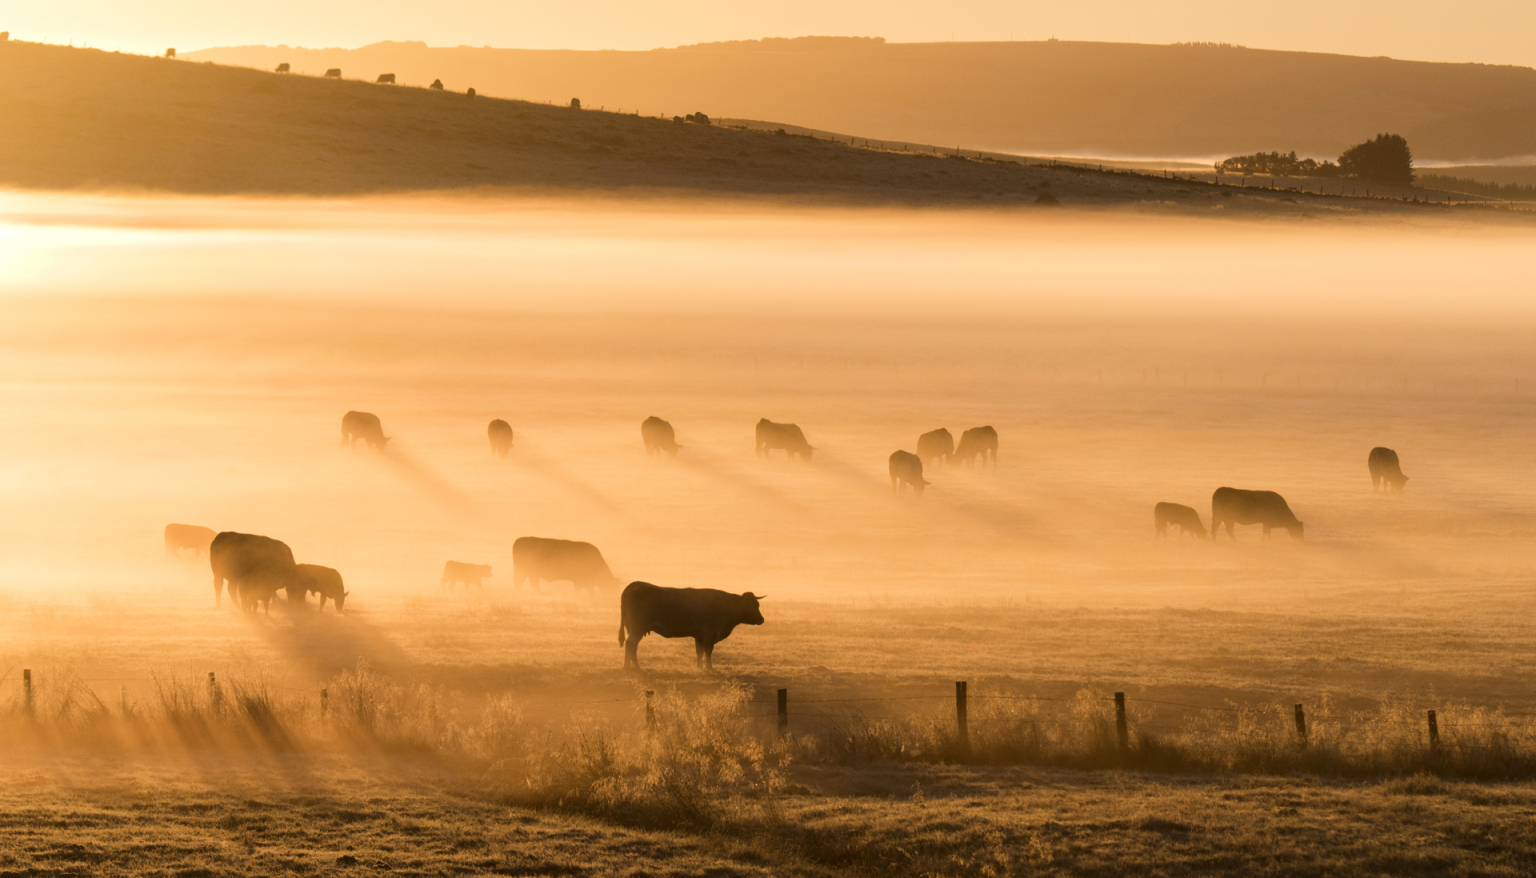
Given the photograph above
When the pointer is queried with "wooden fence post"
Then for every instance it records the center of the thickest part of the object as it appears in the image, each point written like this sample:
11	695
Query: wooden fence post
1301	727
325	706
1122	730
26	689
1434	736
650	713
961	720
783	711
213	691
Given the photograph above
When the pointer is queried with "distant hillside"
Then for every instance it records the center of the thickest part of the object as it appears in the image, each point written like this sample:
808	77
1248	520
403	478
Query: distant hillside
1027	97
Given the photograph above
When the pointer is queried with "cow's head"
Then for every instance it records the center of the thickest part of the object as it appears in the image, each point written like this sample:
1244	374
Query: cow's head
805	453
341	601
751	614
1297	531
383	441
1399	482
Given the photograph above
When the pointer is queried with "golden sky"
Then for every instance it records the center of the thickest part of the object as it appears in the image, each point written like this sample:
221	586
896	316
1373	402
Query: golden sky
1488	31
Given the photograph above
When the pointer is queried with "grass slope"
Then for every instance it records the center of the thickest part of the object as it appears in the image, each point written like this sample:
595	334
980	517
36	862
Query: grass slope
86	119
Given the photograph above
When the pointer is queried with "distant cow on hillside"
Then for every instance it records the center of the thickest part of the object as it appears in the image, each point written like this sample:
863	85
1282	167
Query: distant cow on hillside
785	436
188	536
333	73
1385	469
385	78
1184	518
935	445
324	582
470	93
500	434
170	53
255	567
1231	506
575	103
658	437
283	67
459	573
364	426
538	560
436	84
977	441
707	615
906	469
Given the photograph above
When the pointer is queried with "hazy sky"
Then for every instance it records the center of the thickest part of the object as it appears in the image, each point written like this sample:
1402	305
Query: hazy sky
1490	31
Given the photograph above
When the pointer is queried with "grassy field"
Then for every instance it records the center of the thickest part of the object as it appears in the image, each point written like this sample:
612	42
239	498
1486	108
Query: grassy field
190	361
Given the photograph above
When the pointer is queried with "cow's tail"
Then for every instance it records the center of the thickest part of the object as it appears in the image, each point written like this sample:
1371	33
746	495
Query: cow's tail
621	629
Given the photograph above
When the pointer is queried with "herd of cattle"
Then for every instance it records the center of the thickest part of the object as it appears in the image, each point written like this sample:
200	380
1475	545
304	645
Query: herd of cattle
254	568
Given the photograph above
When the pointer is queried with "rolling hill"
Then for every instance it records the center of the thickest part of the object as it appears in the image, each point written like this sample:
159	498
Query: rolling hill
1101	99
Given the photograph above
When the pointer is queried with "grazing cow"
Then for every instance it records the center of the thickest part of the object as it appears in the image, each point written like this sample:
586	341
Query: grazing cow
333	73
1231	506
188	536
170	53
283	67
658	437
1385	469
785	436
459	573
384	78
698	118
907	469
935	445
436	84
470	93
255	568
500	434
708	615
976	441
324	582
1184	518
575	103
538	560
364	426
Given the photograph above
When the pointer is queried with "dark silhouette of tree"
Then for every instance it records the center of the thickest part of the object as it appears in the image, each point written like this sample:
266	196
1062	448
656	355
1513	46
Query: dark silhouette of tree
1386	160
1277	164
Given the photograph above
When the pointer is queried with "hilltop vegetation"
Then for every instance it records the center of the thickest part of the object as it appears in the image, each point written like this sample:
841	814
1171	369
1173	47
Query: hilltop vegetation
1044	98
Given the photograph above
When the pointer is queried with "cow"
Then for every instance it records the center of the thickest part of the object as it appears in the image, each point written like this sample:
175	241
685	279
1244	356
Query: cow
785	436
283	67
459	573
500	434
907	469
385	78
437	84
333	73
1231	506
977	441
935	445
708	615
364	426
188	536
324	582
539	560
470	93
170	53
255	568
1184	518
1385	470
658	437
575	103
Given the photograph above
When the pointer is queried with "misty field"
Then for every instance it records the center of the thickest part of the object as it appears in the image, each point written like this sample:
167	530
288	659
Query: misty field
190	362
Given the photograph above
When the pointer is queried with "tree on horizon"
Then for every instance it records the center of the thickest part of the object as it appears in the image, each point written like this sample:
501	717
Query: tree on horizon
1386	160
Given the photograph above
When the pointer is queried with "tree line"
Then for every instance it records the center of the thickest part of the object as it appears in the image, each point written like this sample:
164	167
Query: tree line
1386	160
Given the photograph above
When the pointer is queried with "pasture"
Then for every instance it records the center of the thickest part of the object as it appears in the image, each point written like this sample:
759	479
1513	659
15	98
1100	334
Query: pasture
1038	582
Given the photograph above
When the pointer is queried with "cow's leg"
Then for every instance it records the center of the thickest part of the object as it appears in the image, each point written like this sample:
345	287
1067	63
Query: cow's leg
631	650
698	652
709	657
218	591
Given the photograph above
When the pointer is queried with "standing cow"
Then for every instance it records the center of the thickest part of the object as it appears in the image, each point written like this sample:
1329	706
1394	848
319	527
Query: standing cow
977	441
1184	518
935	445
385	78
255	568
907	469
364	426
1231	506
500	434
324	582
1385	470
284	67
459	573
188	536
333	73
658	437
538	560
785	436
708	615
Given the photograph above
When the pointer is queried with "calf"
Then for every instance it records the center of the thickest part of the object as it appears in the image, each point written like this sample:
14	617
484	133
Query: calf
1184	518
188	536
459	573
324	582
907	469
1385	470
